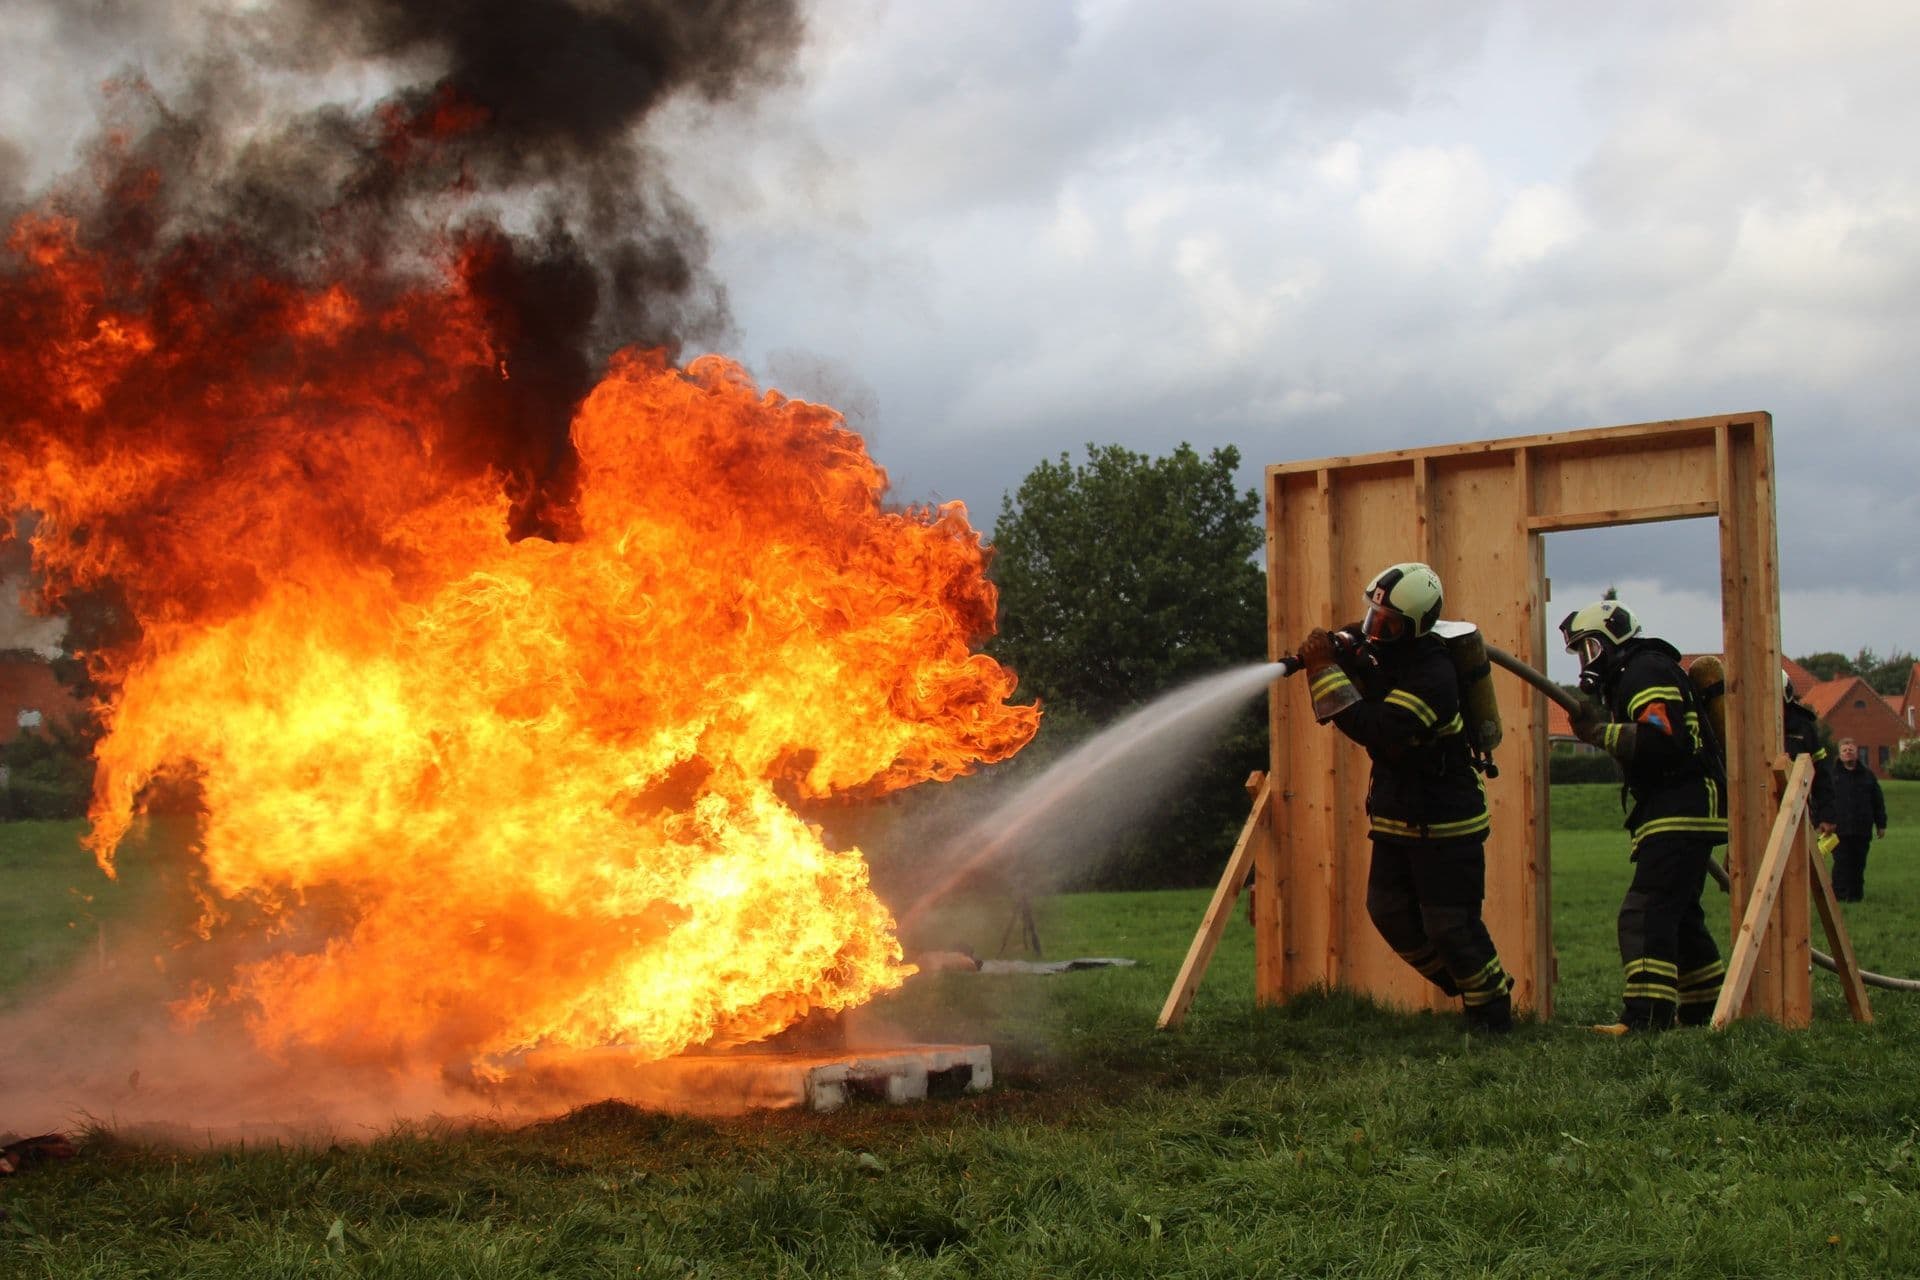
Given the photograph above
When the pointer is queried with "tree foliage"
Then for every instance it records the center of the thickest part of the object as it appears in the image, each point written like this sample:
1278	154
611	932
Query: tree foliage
1906	763
1887	676
1126	575
1123	577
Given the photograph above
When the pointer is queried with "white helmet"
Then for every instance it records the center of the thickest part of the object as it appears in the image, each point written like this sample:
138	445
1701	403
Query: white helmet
1402	600
1596	633
1605	620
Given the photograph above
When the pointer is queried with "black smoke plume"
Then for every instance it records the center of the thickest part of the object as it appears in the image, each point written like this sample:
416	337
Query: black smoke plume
508	128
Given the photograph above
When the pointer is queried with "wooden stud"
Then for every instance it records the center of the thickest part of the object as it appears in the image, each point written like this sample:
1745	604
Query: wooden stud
1258	829
1271	888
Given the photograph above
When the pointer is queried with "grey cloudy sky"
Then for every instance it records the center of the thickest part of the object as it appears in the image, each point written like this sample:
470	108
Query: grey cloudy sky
994	230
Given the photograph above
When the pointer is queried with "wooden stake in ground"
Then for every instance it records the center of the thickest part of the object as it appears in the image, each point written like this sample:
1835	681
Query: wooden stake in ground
1259	830
1790	842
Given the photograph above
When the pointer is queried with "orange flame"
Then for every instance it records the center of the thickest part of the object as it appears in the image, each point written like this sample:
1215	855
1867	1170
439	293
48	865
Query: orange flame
476	794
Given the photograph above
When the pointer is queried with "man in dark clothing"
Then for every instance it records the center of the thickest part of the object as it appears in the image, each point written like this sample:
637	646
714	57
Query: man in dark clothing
1802	739
1649	719
1859	813
1390	685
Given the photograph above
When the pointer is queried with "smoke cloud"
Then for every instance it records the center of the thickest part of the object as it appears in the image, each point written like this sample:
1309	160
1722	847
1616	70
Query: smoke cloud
293	142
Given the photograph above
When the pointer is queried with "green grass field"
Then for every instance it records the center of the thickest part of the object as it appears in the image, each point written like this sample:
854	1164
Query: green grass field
1322	1138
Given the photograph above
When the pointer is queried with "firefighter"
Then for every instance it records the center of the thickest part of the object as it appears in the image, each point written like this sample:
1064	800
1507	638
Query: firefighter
1389	684
1649	718
1803	739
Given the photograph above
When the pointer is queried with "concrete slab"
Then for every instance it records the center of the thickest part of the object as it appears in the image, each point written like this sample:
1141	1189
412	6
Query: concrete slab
726	1083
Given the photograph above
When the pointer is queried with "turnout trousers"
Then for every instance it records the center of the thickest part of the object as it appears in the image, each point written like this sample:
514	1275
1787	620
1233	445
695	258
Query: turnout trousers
1671	963
1424	897
1850	866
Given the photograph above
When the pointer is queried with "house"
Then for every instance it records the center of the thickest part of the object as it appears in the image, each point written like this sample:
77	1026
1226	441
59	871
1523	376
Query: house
1907	705
1849	708
31	696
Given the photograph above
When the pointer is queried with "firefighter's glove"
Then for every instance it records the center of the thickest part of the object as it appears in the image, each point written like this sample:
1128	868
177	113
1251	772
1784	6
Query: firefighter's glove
1316	651
1588	722
1591	726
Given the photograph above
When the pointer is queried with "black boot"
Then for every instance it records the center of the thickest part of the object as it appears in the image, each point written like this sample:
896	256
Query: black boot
1495	1016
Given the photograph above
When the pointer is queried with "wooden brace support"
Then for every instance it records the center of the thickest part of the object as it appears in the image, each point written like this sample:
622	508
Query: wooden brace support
1259	827
1791	838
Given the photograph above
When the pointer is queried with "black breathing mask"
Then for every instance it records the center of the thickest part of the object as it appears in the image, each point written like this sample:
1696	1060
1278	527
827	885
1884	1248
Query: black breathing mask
1599	659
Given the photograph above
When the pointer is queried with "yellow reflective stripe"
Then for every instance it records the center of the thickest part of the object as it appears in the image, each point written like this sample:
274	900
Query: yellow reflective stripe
1412	702
1487	985
1647	964
1668	826
1451	727
1819	753
1710	996
1649	991
1331	678
1694	977
1487	970
1610	738
1659	693
1431	830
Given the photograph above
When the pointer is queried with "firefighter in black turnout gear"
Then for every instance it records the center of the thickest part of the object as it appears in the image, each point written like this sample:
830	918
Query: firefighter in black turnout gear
1390	685
1802	738
1650	719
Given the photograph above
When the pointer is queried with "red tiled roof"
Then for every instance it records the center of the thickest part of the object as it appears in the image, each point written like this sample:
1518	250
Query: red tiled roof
29	685
1801	677
1828	694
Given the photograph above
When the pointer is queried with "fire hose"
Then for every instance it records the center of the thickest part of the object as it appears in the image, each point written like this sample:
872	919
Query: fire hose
1570	704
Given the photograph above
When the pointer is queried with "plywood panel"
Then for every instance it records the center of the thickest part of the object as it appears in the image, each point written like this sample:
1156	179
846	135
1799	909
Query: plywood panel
1376	513
1481	549
1625	481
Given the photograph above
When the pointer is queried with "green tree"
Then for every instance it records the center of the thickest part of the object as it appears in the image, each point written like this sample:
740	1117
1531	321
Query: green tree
1888	675
1826	666
1906	765
1119	579
1126	575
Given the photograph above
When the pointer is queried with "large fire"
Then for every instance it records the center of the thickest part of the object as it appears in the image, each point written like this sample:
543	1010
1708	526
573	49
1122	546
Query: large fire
467	793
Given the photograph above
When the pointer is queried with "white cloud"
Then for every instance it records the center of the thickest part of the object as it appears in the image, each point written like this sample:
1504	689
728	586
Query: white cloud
1074	233
1425	203
1339	165
1538	220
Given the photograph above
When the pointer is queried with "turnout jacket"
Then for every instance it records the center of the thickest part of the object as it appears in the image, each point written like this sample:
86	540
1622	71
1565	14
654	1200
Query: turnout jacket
1675	777
1424	785
1803	739
1858	805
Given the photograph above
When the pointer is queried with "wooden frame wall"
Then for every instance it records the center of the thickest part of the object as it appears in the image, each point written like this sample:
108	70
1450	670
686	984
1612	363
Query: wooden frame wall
1477	513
